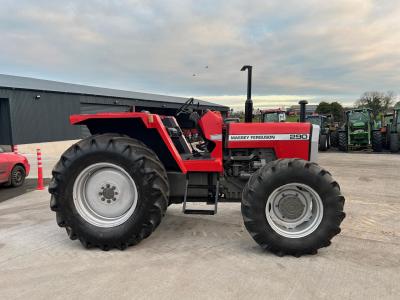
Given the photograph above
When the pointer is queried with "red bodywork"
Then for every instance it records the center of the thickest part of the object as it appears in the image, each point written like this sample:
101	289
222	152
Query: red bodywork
287	139
8	161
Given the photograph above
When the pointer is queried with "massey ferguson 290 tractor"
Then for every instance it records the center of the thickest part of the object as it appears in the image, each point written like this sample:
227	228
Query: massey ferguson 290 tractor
112	189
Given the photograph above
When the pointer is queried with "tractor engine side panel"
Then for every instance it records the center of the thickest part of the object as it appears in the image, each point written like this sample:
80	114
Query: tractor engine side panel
288	140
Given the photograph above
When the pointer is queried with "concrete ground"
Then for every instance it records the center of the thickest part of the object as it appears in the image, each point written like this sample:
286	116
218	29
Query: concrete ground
213	257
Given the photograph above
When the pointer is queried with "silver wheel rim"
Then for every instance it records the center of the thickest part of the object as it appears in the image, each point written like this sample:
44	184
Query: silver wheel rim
105	195
294	210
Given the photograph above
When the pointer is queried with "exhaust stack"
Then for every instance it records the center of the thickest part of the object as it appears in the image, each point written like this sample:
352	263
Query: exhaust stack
248	108
303	110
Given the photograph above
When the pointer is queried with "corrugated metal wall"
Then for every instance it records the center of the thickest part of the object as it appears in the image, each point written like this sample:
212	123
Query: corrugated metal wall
41	120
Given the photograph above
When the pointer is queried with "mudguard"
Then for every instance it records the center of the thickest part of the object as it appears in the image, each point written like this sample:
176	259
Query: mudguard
150	121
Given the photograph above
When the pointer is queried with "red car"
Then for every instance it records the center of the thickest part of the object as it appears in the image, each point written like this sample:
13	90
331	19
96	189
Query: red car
13	168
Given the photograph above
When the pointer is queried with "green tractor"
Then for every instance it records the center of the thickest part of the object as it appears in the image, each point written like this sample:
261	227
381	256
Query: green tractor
391	129
322	121
360	131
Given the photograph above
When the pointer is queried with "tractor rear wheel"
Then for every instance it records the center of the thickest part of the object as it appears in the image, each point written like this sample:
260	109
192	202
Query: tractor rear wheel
293	207
342	143
323	142
377	143
109	191
394	142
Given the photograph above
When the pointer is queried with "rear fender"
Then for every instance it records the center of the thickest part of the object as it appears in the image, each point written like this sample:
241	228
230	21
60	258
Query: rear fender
148	128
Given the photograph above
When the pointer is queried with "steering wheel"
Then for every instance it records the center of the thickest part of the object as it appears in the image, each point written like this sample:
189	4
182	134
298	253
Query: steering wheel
185	107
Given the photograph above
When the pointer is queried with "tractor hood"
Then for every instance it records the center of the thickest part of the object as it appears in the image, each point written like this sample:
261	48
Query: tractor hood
358	124
287	139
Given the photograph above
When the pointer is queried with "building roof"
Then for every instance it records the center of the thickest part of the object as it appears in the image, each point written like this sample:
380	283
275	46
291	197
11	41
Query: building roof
28	83
309	107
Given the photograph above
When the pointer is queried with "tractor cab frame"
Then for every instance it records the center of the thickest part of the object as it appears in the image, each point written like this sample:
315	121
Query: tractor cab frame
272	115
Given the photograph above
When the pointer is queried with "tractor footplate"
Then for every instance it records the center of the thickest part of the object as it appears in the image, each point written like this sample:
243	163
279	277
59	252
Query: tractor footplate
200	211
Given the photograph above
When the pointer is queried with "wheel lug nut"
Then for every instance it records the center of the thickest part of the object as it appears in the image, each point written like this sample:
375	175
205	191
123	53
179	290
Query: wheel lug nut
113	187
102	187
114	199
107	185
116	193
108	201
102	199
100	193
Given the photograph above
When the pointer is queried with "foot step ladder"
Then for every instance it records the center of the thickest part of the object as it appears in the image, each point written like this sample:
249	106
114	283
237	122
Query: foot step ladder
201	211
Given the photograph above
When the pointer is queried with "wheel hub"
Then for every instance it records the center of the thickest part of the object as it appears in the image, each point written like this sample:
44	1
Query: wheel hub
108	193
291	207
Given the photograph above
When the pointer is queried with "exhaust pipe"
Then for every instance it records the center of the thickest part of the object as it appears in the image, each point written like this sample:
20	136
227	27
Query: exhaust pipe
248	108
303	110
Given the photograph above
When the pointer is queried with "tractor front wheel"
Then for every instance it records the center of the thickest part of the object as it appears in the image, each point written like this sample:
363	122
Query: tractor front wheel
377	143
293	207
109	191
394	142
334	138
342	141
323	142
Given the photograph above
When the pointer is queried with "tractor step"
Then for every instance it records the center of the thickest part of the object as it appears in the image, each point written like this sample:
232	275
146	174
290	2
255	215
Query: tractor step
200	211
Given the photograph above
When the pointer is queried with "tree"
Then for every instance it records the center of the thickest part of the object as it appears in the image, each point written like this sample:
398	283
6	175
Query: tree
323	108
334	108
337	111
376	101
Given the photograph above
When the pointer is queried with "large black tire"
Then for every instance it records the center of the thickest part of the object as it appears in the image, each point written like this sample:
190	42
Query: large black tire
143	167
394	142
323	142
377	143
334	139
17	176
273	176
342	141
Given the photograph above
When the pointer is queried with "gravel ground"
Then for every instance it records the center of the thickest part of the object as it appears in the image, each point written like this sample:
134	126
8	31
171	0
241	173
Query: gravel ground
213	257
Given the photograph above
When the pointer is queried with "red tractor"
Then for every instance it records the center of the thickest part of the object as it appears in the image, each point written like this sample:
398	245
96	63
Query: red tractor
112	189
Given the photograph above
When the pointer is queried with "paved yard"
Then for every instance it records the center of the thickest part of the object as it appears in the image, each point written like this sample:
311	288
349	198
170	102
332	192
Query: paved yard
213	257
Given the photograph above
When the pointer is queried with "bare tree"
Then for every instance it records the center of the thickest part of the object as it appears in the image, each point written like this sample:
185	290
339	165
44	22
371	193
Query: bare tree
376	101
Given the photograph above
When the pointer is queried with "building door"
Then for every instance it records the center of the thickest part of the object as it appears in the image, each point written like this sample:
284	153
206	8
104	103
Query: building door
5	122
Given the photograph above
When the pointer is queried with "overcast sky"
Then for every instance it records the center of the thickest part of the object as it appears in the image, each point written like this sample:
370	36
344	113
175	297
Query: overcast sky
309	49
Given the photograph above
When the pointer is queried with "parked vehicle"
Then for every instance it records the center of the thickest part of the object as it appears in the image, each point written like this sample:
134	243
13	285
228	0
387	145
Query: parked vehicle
324	141
112	189
13	168
273	115
391	129
360	131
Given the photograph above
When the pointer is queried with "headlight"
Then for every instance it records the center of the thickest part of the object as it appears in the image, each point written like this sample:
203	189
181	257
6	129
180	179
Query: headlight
314	143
